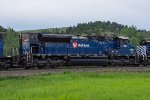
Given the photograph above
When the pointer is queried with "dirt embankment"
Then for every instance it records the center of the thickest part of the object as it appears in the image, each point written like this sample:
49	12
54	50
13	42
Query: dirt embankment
22	72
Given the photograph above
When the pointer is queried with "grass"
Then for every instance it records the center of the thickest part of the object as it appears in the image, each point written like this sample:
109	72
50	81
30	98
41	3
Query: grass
77	86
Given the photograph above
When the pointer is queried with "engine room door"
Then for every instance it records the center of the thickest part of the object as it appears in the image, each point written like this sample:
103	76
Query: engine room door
34	48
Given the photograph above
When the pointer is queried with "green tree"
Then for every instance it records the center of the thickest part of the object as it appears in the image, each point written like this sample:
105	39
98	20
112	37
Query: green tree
11	41
129	32
135	41
2	29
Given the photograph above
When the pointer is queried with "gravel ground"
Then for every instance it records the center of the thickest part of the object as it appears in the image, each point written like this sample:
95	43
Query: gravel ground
22	72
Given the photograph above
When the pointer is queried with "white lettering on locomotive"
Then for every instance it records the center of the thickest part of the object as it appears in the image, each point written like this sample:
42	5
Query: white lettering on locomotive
83	45
76	45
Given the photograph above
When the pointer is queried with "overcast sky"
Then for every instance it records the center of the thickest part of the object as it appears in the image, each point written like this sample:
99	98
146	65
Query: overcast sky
37	14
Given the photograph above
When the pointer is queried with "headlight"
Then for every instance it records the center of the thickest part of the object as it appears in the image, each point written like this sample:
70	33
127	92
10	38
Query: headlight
131	50
124	45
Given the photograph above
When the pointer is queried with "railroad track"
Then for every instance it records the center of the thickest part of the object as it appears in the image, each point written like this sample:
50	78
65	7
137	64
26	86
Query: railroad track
22	72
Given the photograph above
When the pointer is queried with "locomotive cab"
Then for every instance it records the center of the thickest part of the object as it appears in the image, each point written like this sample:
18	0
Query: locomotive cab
122	47
122	52
145	42
121	42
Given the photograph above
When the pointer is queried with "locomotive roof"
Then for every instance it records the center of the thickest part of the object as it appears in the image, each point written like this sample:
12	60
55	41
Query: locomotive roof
146	40
2	32
76	37
47	34
57	35
123	37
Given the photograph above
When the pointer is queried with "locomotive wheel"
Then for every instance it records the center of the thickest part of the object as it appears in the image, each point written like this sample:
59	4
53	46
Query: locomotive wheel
113	64
47	65
54	65
6	66
57	63
145	64
61	64
40	67
27	67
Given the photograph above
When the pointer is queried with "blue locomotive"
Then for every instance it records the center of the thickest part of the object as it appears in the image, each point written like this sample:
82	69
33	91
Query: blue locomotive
5	61
143	52
54	50
122	53
1	44
57	50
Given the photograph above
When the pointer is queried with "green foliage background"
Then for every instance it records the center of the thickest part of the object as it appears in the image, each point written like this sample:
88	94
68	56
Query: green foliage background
102	28
110	28
98	28
11	40
2	29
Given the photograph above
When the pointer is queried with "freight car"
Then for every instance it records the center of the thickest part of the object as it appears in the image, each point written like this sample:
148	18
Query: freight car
55	50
